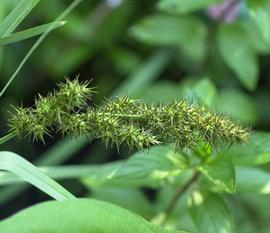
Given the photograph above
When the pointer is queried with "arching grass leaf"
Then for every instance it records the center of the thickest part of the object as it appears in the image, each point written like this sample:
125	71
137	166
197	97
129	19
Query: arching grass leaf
14	163
22	35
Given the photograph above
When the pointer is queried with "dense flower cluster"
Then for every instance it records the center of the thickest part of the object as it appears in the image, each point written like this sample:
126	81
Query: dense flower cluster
123	120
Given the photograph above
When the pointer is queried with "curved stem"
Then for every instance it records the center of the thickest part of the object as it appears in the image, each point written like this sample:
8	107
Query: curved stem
179	193
7	137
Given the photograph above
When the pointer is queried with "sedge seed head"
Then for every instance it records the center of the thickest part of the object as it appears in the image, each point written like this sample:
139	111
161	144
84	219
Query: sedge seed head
122	120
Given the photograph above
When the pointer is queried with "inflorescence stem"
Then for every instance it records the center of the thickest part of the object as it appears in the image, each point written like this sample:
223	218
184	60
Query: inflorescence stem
178	194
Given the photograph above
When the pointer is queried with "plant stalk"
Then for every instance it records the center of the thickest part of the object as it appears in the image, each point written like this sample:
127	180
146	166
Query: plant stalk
7	137
178	194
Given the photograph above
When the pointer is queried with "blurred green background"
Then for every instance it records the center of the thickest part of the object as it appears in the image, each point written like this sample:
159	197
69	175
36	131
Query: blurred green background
154	50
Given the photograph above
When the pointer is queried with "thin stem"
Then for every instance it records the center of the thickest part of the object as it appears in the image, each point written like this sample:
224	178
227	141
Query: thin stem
179	193
7	137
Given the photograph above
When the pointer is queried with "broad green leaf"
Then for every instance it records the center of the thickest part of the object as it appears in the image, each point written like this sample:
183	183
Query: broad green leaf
187	33
210	213
221	172
244	107
14	163
78	216
184	6
16	16
256	152
252	180
204	91
260	13
150	168
239	54
255	37
22	35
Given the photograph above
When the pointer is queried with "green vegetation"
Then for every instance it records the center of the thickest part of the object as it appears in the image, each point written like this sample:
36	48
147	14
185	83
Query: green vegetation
165	129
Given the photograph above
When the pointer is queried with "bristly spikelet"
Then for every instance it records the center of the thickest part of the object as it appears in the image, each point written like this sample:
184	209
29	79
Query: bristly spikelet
20	121
122	120
26	124
46	109
74	94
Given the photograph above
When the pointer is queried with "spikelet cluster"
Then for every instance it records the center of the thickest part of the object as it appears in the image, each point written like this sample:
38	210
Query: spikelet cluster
124	121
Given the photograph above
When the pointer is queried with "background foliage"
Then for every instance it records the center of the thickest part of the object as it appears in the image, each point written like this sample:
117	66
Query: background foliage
157	51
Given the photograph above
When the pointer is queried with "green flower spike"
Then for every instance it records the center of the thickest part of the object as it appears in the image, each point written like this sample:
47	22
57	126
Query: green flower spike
124	121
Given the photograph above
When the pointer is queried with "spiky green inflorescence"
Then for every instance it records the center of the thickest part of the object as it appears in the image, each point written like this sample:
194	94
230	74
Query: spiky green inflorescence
124	121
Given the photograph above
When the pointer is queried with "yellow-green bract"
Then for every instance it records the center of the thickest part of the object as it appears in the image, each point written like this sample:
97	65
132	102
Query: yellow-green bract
78	216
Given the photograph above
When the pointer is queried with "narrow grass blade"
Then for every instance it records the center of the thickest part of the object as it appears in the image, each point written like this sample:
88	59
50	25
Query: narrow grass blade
38	42
56	173
14	163
16	16
7	137
61	151
26	34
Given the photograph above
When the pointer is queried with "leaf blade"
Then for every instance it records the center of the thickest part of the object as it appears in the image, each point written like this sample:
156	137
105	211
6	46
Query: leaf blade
221	172
260	14
85	215
167	30
16	16
26	34
239	54
252	180
210	213
150	168
14	163
256	152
